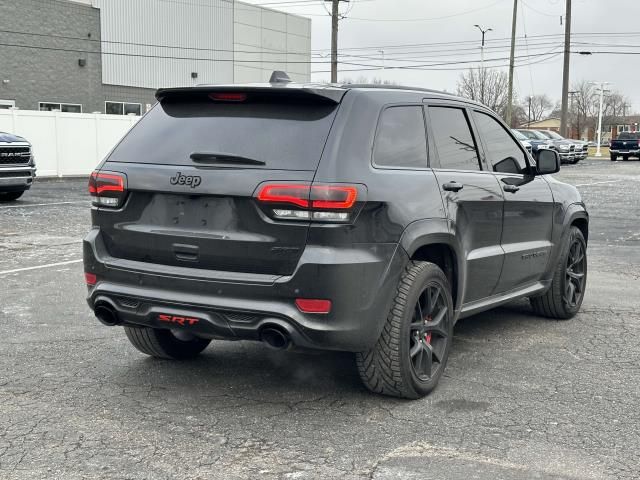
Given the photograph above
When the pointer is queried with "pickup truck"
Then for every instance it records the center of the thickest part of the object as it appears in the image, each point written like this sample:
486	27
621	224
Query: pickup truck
626	145
17	167
581	148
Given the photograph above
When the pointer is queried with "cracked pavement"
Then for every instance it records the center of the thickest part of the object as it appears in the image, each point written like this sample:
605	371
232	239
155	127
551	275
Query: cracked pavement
522	396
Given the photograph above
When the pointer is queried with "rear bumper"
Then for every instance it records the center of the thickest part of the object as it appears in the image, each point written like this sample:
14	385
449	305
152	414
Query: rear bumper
625	152
16	178
360	281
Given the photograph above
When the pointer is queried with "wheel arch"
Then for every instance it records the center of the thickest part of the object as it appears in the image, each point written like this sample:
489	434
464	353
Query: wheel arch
577	216
431	241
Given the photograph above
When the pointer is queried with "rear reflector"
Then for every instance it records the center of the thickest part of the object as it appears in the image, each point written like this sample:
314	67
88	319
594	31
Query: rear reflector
90	279
308	305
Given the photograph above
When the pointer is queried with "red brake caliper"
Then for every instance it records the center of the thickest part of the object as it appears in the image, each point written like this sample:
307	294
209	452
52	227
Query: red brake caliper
427	336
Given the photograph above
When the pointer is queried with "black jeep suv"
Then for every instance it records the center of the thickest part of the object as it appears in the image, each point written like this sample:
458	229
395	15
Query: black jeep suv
331	217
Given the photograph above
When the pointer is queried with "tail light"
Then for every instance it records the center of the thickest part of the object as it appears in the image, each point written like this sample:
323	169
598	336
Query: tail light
107	189
321	203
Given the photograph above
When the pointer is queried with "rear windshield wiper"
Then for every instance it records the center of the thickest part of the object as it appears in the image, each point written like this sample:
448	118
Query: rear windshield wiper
228	158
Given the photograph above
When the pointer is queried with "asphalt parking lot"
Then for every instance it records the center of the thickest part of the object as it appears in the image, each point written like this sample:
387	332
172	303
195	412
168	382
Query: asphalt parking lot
522	396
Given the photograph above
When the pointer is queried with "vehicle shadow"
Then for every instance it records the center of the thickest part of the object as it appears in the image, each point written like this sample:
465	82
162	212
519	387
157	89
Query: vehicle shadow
252	371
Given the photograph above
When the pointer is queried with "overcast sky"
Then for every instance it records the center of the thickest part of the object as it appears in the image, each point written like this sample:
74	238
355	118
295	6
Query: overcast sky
377	28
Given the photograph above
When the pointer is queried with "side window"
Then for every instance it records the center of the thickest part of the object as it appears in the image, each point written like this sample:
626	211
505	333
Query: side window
503	152
401	138
453	139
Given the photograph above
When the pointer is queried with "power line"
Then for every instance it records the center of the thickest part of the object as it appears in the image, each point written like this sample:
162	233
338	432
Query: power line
467	42
457	69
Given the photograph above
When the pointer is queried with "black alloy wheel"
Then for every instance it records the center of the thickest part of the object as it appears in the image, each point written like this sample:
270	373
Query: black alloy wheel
575	274
429	333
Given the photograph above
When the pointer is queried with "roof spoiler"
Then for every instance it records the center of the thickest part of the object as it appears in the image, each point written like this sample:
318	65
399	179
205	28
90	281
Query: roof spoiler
284	91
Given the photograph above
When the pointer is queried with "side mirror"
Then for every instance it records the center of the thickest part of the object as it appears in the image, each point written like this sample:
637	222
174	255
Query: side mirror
548	162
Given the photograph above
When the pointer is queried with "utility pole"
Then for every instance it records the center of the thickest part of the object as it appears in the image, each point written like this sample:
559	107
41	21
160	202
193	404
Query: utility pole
565	72
601	88
335	18
483	31
529	116
512	62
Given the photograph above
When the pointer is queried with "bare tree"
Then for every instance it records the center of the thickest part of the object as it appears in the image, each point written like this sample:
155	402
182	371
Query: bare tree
583	105
493	83
537	107
369	81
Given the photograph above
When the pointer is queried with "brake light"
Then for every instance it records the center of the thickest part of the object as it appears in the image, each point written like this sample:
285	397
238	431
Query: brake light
107	189
321	203
228	97
291	194
333	197
309	305
321	197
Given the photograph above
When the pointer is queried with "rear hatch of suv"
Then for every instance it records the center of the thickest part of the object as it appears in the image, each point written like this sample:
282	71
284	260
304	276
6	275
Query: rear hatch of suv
186	178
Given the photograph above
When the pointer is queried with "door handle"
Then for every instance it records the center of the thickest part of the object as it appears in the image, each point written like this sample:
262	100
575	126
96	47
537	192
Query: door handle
511	188
452	187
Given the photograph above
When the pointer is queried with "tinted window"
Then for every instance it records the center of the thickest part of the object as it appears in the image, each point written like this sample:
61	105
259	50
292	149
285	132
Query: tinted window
453	139
531	135
283	135
629	136
503	152
401	139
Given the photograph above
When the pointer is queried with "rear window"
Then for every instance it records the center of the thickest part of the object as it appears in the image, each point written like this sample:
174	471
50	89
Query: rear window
629	136
283	135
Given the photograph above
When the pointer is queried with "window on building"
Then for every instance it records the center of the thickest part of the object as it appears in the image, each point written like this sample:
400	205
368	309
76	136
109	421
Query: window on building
60	107
122	108
453	139
6	104
504	153
401	140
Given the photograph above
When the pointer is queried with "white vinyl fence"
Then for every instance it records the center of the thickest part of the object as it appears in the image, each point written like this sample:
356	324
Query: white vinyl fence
67	143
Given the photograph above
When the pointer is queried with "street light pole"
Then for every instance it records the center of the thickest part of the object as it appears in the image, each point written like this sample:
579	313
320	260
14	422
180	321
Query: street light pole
602	84
512	63
483	31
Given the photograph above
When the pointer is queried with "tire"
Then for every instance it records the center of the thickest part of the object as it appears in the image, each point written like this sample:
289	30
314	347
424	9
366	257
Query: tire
614	157
568	281
10	196
410	342
164	344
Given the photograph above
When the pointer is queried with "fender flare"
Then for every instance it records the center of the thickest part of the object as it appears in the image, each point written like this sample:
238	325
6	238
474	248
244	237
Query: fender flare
432	231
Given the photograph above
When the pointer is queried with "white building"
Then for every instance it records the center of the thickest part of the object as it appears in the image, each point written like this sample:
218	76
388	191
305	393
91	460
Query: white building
151	43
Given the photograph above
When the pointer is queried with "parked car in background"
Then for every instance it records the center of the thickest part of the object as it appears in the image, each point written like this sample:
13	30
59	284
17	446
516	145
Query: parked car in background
523	140
565	148
538	141
204	227
17	166
581	148
626	145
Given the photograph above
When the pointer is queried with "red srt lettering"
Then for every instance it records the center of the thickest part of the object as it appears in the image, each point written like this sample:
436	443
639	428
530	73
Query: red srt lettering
182	321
